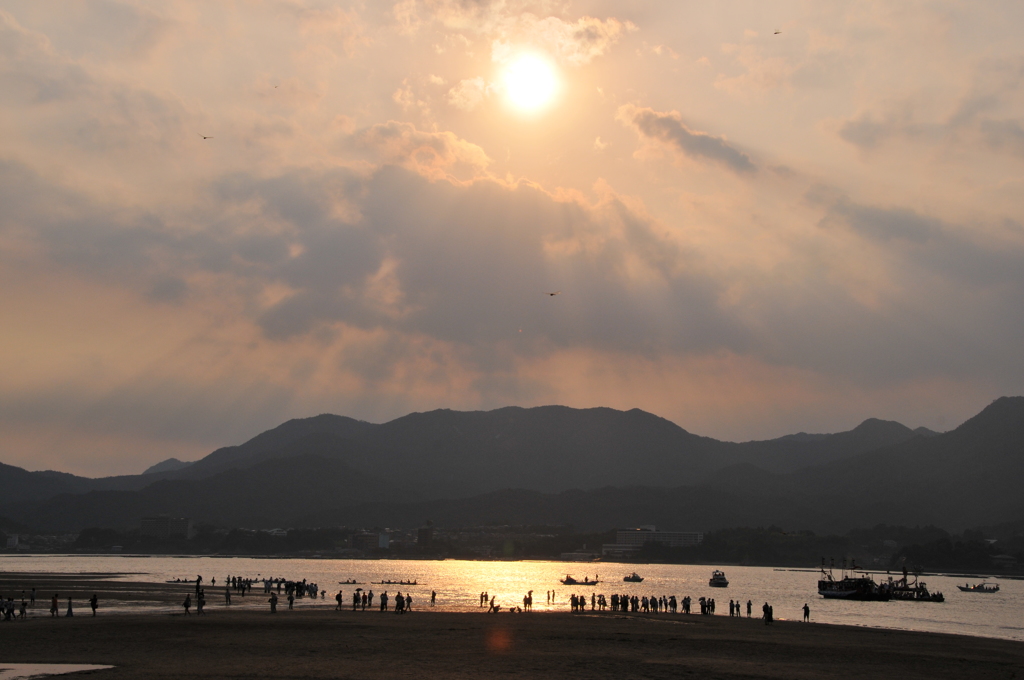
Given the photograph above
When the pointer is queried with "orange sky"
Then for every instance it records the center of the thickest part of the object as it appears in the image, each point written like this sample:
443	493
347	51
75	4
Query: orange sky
762	218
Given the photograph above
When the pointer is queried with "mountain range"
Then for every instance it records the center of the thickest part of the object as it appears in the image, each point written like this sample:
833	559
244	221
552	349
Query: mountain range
593	468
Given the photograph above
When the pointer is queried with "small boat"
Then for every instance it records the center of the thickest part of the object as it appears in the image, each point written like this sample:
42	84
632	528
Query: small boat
633	578
980	588
718	579
570	581
397	583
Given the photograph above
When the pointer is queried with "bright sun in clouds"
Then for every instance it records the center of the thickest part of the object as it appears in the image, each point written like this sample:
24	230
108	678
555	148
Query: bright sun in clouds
530	82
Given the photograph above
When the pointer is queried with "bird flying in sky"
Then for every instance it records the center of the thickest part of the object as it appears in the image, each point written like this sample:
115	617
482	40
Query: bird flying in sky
553	294
205	137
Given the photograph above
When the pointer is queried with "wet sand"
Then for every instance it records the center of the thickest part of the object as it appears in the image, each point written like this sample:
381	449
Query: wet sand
321	643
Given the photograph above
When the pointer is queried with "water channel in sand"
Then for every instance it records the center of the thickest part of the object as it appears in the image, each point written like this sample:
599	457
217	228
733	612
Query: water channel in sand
459	583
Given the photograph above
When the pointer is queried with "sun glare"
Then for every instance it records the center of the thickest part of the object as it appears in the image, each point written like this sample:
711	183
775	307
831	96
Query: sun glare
530	82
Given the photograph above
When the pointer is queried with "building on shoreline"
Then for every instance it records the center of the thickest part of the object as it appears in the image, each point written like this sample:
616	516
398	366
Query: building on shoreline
628	542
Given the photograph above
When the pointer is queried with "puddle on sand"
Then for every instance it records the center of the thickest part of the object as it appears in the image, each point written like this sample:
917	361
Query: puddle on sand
20	671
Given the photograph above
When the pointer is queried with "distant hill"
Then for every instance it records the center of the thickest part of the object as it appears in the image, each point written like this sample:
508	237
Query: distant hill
793	452
967	477
555	464
549	448
168	465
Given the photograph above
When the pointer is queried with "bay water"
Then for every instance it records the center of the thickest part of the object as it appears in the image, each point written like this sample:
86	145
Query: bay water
458	585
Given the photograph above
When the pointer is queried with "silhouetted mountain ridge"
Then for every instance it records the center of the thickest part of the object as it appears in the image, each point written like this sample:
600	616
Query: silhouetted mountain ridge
613	463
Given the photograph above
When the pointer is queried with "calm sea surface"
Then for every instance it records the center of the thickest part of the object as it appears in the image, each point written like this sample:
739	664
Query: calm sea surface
459	583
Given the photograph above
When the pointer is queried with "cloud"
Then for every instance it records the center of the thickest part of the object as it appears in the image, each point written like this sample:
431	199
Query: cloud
468	94
576	43
349	240
430	152
31	71
985	112
669	129
507	24
981	257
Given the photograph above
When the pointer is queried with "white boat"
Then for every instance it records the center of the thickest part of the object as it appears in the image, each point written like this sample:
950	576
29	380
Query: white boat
980	588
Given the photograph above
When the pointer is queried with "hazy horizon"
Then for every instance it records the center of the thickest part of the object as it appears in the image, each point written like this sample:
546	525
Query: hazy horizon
759	219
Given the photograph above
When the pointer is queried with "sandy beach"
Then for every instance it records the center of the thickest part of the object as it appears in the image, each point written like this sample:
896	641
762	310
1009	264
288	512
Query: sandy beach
321	643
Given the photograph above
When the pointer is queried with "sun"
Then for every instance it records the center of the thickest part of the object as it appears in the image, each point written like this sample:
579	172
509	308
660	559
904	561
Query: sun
530	82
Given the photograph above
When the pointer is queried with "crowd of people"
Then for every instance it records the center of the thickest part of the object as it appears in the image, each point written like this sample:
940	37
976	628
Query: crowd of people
400	603
12	611
656	604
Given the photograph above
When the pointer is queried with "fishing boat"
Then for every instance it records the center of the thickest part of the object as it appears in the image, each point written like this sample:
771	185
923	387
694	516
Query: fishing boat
718	579
570	581
980	588
851	586
633	578
915	592
906	590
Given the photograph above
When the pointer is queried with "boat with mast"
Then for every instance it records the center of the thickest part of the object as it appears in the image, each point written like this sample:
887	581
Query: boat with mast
850	586
911	591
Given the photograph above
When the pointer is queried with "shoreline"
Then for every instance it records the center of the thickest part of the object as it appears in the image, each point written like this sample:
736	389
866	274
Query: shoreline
317	643
130	598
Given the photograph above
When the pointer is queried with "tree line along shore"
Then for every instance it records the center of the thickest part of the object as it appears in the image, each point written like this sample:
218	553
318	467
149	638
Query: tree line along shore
990	550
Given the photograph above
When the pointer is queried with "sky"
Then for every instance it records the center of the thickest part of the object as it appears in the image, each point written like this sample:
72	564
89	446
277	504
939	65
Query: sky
760	218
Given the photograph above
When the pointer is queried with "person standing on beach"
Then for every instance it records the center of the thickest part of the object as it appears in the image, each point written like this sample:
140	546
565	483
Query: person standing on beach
187	604
94	603
807	613
54	607
337	598
750	608
227	595
273	603
291	600
32	599
764	611
71	611
384	601
433	598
